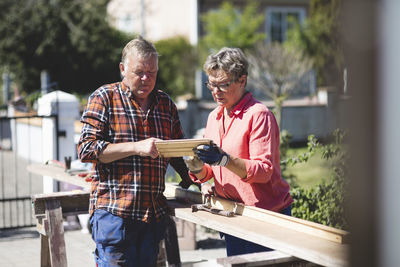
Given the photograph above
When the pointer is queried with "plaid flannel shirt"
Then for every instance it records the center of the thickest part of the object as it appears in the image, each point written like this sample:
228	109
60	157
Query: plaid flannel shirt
131	187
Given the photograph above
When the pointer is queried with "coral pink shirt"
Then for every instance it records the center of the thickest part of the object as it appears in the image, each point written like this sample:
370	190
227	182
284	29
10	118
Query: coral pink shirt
253	135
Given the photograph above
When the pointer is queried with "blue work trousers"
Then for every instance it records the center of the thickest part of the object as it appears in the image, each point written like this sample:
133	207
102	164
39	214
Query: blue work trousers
124	242
238	246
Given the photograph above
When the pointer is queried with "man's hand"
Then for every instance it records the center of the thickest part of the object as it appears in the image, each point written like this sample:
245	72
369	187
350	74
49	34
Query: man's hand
212	155
147	148
194	164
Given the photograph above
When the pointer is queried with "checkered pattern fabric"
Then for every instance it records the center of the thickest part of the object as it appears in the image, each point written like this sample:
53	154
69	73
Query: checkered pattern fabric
131	187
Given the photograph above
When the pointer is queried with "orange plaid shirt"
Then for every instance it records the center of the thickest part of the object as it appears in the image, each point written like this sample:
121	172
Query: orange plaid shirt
131	187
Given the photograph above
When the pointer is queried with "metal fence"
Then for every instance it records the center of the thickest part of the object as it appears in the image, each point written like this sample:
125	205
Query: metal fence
16	183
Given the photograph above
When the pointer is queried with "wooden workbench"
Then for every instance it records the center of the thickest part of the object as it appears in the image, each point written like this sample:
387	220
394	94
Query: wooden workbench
309	241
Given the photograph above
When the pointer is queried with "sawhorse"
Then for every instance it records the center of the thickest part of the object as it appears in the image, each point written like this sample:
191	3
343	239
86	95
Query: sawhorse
49	209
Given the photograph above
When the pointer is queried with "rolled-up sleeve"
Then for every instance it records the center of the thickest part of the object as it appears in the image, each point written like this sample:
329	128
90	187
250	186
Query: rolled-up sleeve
95	120
263	149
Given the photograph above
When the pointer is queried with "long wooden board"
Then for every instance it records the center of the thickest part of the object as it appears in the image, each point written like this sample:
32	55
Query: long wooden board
296	237
172	191
179	147
58	173
71	201
289	241
311	228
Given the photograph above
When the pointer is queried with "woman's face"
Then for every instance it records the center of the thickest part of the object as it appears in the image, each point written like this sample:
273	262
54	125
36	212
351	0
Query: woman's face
225	91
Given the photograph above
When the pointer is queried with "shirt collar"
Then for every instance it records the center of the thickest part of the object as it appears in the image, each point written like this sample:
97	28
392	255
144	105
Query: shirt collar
238	108
125	89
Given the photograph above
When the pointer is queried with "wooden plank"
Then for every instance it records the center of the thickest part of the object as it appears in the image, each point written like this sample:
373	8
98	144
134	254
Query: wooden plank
302	244
44	251
71	202
319	230
177	154
58	173
55	234
291	242
184	142
179	147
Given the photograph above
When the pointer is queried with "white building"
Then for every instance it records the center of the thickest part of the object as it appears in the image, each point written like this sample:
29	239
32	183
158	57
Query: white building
161	19
156	19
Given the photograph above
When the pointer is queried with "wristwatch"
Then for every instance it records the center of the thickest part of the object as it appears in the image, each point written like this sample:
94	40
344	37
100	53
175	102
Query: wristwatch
224	160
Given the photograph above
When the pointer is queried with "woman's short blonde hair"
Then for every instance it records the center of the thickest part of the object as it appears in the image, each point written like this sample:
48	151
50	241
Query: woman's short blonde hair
231	60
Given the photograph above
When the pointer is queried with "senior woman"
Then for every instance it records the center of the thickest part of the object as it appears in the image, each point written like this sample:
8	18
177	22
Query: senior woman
244	161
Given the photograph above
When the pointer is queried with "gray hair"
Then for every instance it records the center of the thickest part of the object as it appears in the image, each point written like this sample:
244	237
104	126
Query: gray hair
231	60
139	45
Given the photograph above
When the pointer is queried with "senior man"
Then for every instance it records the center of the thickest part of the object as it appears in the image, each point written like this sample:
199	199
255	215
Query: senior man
121	123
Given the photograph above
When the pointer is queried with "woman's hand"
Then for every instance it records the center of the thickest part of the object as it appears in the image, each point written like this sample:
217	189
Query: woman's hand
212	155
194	164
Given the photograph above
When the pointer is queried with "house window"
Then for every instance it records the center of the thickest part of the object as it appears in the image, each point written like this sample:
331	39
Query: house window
280	20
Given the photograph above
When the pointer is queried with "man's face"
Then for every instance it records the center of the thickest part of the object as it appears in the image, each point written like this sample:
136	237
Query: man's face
140	74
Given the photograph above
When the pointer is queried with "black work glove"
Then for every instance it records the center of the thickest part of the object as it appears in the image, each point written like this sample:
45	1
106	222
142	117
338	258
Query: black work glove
180	167
185	184
212	155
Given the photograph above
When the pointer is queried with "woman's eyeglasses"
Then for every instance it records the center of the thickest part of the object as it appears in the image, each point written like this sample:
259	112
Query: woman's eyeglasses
223	87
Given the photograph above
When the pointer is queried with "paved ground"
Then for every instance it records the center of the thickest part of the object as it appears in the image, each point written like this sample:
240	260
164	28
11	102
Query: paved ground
21	248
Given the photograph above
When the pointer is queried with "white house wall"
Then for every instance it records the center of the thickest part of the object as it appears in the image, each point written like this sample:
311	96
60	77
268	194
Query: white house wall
155	19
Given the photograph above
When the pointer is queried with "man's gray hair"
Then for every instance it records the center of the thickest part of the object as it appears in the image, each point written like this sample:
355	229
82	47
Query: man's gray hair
139	45
231	60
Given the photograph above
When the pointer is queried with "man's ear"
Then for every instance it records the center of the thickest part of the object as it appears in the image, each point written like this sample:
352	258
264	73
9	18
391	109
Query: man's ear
122	69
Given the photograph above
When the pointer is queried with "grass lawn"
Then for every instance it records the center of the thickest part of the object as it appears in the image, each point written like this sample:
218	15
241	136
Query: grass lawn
308	174
313	171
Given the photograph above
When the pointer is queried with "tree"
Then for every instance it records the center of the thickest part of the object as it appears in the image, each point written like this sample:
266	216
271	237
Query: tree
71	39
319	38
176	64
230	27
277	70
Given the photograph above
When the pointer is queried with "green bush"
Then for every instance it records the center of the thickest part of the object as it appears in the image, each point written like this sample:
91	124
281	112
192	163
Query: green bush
324	203
177	65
